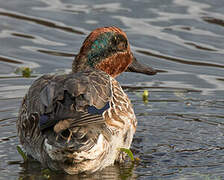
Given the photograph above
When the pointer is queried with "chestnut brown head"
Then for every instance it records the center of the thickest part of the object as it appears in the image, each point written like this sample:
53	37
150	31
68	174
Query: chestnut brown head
107	49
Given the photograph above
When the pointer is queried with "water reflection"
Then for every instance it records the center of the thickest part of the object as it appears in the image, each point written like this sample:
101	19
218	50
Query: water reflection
58	5
214	21
180	60
180	130
40	21
31	170
9	60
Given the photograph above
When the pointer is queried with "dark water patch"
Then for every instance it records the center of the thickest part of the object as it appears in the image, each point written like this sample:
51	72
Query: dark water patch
220	79
213	103
195	119
22	35
216	148
185	28
56	53
7	110
40	22
199	47
6	119
166	89
17	77
215	21
180	130
201	118
8	100
179	60
11	90
14	162
7	138
9	60
166	100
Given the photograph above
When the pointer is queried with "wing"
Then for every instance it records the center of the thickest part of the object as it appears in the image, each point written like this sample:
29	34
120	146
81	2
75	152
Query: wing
79	98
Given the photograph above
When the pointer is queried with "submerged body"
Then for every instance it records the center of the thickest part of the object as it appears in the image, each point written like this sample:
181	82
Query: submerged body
78	122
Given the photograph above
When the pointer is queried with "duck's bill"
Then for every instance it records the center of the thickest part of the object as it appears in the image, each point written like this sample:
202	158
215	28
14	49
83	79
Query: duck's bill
137	67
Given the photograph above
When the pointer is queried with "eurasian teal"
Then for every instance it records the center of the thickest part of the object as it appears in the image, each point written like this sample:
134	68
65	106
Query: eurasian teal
77	122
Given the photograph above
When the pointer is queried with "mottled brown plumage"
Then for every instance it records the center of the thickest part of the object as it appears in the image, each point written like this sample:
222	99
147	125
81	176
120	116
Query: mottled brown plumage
77	122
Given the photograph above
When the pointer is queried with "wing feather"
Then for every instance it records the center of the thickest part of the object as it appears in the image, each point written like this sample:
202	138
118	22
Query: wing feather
81	97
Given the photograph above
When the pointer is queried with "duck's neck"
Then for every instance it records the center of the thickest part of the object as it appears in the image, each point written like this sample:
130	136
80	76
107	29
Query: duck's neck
79	64
113	65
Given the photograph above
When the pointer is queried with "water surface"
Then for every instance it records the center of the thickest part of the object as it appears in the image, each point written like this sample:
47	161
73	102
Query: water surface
180	130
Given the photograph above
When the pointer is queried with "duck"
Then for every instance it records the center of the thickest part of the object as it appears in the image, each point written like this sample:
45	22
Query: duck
77	122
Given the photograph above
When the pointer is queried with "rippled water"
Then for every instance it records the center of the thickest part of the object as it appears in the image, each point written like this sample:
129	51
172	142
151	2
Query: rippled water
180	129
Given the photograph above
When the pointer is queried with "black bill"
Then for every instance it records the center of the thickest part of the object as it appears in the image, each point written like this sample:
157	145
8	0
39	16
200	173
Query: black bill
137	67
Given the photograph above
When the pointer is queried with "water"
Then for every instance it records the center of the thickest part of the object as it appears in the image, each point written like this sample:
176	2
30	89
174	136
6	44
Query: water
180	129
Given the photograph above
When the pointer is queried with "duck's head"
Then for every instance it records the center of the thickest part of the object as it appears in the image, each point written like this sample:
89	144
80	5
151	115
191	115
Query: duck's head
108	49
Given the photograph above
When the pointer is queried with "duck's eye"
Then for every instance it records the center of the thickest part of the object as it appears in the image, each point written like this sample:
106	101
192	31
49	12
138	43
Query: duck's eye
120	42
114	41
122	45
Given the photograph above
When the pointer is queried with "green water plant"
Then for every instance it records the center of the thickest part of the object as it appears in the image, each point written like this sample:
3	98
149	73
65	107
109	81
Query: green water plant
20	151
25	71
145	96
130	154
46	173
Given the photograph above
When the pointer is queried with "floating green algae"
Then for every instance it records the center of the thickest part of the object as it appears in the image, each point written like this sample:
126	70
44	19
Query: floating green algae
24	71
145	96
20	151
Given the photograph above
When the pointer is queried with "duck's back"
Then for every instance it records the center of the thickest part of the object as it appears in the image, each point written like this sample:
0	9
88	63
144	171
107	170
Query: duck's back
76	122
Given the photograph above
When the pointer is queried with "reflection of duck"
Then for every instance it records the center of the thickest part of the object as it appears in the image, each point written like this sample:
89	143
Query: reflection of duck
77	122
115	172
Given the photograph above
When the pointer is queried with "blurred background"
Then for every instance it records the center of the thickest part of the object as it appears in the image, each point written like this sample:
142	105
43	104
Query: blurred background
180	128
